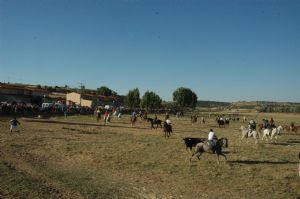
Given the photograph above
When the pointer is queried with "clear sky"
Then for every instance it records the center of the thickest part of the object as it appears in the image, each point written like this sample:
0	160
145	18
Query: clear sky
224	50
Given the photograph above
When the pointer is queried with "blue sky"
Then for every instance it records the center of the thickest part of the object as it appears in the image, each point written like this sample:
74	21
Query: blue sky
223	50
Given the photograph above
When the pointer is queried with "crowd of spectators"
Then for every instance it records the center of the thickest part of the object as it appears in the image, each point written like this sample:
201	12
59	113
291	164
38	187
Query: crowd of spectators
26	109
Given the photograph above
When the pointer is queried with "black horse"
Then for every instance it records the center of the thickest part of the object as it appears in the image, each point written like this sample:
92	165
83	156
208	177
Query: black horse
227	121
157	122
167	129
217	149
221	123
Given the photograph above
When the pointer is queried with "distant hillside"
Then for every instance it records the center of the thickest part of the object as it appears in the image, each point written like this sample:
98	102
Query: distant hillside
211	104
264	106
261	106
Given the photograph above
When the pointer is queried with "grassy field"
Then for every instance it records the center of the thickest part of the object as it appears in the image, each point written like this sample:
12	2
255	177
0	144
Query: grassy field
76	157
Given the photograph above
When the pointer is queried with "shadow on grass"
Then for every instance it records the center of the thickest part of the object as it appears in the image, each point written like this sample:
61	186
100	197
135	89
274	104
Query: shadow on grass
284	144
81	123
260	162
294	142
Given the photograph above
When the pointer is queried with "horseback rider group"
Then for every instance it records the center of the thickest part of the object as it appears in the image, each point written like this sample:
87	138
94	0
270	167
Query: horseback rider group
269	124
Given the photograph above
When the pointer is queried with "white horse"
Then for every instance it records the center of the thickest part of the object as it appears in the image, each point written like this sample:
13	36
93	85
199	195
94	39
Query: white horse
244	119
275	132
246	134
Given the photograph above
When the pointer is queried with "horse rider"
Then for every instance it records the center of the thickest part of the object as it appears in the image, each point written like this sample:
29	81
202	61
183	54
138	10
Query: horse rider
272	123
169	124
14	124
167	116
251	127
292	127
155	118
98	113
133	114
177	115
212	139
265	123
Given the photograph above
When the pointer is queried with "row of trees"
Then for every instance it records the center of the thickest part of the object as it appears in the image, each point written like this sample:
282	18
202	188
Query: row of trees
182	98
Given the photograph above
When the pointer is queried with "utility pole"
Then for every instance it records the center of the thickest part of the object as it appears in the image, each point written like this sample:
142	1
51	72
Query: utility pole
81	90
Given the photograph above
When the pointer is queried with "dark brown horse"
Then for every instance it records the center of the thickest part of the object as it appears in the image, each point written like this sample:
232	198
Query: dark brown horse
291	128
194	119
167	129
133	120
152	121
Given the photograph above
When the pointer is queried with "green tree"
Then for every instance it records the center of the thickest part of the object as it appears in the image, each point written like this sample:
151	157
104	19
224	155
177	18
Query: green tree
151	100
185	97
132	99
103	90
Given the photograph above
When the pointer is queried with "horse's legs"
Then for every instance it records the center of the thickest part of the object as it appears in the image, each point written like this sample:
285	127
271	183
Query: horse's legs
197	155
264	135
218	158
222	154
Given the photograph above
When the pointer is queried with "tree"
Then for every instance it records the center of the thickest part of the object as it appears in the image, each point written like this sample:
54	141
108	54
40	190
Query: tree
185	97
151	100
132	99
105	91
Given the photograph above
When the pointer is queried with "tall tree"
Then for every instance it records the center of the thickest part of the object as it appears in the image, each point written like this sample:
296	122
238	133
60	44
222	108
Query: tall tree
132	99
103	90
185	97
151	100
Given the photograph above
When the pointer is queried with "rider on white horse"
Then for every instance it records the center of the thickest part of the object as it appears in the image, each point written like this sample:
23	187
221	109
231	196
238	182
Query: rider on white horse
251	127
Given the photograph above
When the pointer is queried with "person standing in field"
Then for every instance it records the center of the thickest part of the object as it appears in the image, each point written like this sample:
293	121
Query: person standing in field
14	124
98	113
106	115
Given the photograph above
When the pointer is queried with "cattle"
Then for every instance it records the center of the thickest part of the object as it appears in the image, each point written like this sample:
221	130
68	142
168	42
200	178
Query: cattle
192	142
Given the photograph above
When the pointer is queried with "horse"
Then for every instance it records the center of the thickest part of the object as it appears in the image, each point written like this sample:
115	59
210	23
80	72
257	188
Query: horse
167	129
133	120
221	123
194	119
191	142
246	134
204	147
227	120
202	120
291	128
272	132
260	127
157	122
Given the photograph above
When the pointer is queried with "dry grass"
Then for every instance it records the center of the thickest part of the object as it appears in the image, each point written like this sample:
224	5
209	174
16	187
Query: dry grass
82	159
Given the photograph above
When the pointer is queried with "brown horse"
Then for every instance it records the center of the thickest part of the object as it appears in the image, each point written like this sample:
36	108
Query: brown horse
194	119
133	120
290	128
167	129
152	121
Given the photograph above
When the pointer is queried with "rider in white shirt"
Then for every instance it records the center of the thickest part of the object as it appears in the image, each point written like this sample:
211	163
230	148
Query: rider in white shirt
212	138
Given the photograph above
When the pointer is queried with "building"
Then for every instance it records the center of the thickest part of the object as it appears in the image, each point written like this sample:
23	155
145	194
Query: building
78	99
89	100
21	93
